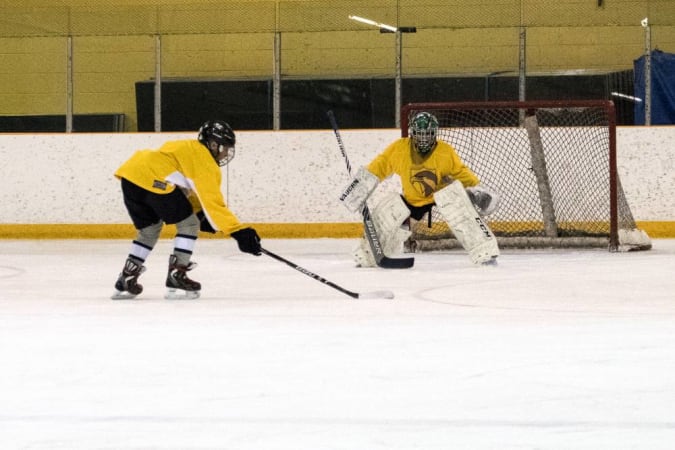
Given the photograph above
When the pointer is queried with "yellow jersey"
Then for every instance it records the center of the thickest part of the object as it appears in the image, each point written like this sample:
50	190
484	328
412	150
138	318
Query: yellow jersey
189	165
422	175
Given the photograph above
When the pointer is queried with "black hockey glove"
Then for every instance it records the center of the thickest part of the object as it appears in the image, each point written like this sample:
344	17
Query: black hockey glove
248	241
204	224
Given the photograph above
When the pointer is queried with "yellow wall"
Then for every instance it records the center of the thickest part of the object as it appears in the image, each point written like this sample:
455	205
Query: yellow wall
32	75
114	44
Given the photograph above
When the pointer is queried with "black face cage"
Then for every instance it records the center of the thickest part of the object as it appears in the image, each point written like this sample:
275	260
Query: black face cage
230	154
424	140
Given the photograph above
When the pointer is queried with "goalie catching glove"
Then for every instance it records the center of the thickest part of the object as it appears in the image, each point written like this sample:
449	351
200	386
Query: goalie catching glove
484	200
355	195
248	241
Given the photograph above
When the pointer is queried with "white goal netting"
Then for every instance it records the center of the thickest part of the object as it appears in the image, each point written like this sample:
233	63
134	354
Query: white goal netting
554	165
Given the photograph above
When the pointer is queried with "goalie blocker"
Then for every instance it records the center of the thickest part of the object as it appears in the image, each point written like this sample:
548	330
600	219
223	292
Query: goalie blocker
355	195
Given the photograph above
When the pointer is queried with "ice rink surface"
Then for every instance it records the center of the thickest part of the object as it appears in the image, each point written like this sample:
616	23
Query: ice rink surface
552	349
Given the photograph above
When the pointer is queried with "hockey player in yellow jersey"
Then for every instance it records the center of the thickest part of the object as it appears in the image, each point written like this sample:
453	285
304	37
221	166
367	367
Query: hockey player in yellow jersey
179	183
431	174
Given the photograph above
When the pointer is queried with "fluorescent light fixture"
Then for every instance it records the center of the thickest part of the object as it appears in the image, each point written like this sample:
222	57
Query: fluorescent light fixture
383	26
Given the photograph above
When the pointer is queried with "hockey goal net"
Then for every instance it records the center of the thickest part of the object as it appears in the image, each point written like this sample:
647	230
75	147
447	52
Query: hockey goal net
554	166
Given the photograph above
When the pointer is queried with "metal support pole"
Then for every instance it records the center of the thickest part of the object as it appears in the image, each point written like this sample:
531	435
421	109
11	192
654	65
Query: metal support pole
397	106
398	78
158	83
69	84
648	71
522	64
276	83
384	28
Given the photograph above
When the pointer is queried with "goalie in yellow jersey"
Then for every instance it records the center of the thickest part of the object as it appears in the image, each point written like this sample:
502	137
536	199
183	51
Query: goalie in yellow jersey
431	173
179	183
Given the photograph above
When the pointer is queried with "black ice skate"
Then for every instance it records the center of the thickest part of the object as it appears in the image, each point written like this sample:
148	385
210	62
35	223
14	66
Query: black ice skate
126	286
177	280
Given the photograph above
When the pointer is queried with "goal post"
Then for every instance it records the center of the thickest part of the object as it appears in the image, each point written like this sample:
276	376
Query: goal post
553	164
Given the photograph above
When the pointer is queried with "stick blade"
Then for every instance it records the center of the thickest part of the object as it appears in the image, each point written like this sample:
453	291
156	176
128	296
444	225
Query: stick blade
377	294
396	263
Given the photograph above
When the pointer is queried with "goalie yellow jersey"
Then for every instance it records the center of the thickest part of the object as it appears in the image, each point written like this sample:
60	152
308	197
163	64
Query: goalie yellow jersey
422	175
189	165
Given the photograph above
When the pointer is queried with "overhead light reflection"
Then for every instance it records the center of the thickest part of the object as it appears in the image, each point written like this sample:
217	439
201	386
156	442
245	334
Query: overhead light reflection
383	26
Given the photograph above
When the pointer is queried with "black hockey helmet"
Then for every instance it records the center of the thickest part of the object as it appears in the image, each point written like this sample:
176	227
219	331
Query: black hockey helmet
218	137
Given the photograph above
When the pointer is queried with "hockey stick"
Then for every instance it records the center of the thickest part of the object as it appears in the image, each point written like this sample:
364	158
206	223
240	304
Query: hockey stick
374	294
381	259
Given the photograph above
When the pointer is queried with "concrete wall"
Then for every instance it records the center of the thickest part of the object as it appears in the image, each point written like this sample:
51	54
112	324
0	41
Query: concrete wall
286	177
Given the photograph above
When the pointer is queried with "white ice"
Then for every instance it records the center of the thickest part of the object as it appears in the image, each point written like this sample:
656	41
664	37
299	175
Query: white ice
549	350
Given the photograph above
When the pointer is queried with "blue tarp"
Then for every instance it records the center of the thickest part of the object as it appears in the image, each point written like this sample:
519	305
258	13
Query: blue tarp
663	88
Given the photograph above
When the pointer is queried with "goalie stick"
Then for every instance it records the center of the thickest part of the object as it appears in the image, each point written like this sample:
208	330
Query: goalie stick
374	294
381	259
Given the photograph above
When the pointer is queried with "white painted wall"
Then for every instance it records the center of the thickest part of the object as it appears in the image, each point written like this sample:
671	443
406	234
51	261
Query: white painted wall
276	177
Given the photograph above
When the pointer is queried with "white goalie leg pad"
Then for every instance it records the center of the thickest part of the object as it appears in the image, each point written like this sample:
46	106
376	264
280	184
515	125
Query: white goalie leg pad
363	255
387	216
391	244
466	224
355	195
389	213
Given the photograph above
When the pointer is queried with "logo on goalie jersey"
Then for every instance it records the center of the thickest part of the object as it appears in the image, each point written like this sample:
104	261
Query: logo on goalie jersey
424	181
